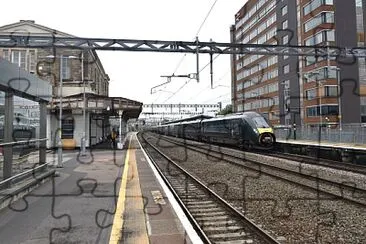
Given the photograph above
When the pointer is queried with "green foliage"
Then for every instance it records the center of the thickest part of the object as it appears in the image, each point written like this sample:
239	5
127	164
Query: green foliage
227	110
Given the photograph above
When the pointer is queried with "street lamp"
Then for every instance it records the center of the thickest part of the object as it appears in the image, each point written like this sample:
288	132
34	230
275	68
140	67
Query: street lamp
83	139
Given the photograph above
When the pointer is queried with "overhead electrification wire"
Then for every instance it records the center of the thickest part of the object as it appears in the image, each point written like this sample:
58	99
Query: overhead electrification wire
223	95
180	88
198	31
181	60
208	14
208	87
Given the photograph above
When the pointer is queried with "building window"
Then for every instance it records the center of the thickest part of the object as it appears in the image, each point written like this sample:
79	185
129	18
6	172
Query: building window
321	74
66	68
285	24
6	54
19	57
239	86
240	108
25	59
326	110
284	10
331	91
329	110
322	36
285	40
286	68
67	128
312	111
310	94
315	4
324	17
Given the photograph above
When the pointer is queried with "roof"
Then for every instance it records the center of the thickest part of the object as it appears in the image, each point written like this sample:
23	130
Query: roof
29	27
197	117
249	114
99	104
23	83
97	96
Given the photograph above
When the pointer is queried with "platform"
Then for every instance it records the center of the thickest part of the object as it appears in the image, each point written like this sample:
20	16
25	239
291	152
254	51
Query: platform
151	214
325	144
109	196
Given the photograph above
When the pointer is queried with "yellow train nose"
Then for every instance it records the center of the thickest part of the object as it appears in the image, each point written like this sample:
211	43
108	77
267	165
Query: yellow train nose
265	130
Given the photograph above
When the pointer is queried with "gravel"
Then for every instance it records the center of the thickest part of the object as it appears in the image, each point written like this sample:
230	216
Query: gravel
291	213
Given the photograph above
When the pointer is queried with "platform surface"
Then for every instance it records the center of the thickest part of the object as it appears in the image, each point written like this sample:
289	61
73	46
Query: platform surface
108	196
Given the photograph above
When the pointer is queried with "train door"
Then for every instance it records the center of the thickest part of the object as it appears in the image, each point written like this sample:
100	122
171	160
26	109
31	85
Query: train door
235	131
245	130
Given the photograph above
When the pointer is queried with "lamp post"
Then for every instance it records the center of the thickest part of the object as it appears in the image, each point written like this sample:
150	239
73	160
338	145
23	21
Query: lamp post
83	139
59	152
59	134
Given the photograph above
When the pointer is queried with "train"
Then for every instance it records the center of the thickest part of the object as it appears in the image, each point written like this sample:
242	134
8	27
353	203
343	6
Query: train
248	130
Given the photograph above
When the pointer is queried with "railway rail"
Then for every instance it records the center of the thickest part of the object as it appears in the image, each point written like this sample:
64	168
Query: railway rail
213	217
355	168
298	175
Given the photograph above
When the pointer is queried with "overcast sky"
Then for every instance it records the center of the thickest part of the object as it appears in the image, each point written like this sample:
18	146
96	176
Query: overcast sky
133	74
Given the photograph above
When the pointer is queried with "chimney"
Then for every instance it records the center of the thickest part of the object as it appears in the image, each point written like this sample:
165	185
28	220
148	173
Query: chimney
30	21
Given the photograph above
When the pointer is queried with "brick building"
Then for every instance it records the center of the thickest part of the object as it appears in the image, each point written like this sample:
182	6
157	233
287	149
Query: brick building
301	90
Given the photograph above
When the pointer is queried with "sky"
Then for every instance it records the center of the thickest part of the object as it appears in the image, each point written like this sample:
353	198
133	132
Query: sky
133	74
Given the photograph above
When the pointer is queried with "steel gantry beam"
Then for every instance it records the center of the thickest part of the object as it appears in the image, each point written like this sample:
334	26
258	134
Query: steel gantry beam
30	41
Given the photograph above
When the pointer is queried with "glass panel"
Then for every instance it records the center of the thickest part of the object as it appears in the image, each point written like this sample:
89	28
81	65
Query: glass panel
25	130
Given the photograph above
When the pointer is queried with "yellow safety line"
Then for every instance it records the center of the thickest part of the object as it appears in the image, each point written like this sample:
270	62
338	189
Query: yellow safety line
116	234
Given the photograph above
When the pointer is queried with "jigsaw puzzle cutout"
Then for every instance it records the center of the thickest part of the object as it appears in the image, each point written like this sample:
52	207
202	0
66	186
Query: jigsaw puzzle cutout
282	209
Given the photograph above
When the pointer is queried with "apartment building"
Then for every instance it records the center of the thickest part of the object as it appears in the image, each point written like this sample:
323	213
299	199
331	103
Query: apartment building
300	90
266	83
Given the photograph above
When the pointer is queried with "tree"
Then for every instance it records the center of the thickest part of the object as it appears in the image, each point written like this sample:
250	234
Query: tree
227	110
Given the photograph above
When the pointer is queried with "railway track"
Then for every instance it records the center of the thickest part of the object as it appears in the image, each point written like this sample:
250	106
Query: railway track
213	217
359	169
299	176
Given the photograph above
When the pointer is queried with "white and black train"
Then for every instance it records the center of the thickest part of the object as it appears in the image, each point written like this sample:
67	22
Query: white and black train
248	130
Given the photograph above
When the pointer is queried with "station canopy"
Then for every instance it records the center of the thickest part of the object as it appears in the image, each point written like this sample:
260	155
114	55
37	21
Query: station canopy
103	105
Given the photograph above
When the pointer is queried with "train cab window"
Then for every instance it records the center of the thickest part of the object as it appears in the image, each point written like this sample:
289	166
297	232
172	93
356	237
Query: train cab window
260	122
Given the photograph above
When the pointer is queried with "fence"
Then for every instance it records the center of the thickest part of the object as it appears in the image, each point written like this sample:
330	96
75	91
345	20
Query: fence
350	133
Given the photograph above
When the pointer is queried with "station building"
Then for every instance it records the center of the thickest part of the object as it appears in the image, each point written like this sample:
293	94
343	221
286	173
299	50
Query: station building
84	88
300	90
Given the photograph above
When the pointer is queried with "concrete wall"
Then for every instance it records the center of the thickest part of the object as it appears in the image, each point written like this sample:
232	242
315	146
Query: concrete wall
53	125
79	129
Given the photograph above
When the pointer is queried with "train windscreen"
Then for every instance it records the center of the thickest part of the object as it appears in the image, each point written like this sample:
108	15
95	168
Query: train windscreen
260	122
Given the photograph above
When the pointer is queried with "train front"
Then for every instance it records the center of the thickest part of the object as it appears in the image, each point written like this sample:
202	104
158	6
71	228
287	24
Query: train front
266	137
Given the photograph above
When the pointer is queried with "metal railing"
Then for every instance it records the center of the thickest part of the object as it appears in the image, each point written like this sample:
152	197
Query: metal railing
351	133
26	174
25	157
